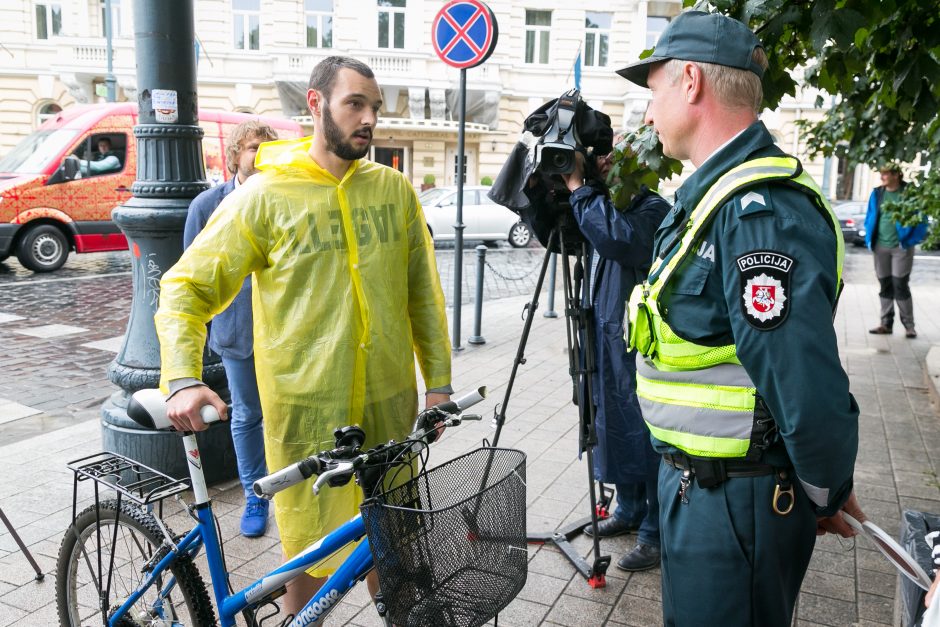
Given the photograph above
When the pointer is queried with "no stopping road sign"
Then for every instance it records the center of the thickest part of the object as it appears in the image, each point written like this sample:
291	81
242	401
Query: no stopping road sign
464	33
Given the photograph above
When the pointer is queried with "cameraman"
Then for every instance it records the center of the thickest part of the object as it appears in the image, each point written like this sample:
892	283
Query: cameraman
621	250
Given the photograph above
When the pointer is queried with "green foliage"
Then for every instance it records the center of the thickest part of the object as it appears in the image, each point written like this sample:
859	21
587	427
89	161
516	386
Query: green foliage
638	160
429	179
486	180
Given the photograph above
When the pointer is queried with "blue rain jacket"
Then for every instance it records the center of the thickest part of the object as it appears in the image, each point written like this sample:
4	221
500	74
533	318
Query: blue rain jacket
623	242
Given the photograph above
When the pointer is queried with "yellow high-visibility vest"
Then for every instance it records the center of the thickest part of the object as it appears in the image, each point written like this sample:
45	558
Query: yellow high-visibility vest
699	398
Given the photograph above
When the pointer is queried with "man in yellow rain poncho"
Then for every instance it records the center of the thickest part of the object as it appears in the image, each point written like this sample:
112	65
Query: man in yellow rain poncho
346	293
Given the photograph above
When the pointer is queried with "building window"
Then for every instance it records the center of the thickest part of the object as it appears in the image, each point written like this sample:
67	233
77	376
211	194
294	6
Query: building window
391	23
596	38
246	21
115	18
46	111
48	20
537	27
655	25
319	17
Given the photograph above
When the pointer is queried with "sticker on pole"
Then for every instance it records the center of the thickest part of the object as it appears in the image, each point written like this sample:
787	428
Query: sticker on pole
165	105
464	33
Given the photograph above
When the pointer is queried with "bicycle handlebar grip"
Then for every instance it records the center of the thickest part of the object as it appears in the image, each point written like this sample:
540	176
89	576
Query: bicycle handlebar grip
267	487
148	409
455	406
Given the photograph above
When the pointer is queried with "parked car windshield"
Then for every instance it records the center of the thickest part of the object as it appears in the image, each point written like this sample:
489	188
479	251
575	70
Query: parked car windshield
32	154
429	196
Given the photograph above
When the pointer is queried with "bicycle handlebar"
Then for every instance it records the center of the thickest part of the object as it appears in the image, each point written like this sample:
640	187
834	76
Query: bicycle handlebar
267	487
338	462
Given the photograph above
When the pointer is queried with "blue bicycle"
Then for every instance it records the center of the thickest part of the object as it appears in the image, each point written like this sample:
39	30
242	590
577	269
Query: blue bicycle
448	543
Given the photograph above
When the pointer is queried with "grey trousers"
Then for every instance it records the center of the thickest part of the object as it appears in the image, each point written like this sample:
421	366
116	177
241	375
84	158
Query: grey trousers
893	269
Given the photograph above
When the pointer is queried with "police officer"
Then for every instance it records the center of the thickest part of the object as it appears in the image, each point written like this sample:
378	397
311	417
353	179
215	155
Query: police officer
738	370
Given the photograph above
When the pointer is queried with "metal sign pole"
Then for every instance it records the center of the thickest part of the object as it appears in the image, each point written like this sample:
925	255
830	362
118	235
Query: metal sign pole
458	228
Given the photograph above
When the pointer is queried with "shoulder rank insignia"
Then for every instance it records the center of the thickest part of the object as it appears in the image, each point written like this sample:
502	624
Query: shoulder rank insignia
765	288
755	201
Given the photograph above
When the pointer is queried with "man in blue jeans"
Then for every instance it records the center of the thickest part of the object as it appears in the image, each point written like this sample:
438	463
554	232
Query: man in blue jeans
231	333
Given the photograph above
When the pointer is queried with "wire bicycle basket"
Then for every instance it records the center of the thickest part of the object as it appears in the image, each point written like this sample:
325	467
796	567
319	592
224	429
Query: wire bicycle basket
450	544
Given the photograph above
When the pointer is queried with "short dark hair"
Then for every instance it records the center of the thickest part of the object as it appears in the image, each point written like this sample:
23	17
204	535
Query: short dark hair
105	138
324	73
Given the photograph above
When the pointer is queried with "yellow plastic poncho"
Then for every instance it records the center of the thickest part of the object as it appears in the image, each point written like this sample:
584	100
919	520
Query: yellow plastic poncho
346	293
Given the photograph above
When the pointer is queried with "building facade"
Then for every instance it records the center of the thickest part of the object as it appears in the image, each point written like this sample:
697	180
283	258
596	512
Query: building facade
256	55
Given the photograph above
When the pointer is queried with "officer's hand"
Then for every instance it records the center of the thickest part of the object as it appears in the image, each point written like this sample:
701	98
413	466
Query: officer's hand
837	524
575	179
183	407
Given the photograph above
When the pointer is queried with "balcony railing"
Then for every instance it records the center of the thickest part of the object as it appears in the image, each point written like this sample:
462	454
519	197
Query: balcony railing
386	65
90	54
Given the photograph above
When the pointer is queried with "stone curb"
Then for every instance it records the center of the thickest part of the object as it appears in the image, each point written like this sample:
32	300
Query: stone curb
932	374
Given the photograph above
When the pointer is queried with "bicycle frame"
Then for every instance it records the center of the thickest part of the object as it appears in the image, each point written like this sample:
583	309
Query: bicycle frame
352	570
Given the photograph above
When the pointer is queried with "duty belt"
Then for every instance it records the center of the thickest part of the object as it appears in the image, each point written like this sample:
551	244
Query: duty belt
713	471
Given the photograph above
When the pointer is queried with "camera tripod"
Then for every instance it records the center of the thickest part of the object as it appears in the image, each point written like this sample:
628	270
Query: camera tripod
581	363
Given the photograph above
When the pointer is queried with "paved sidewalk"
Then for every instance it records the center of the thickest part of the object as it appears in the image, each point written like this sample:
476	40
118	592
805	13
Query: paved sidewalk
848	583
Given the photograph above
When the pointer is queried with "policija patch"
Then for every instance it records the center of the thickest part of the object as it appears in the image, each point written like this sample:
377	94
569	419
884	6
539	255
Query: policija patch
765	287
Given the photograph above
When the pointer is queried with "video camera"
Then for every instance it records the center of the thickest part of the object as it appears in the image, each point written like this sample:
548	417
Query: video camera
553	134
565	125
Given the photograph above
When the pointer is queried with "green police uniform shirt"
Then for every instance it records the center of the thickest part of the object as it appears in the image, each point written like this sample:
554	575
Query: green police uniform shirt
764	278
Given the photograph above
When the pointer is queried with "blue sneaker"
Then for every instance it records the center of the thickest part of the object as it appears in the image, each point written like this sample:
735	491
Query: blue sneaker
255	517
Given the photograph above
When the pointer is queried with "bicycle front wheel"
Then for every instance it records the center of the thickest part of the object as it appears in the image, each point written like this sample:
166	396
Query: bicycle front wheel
84	572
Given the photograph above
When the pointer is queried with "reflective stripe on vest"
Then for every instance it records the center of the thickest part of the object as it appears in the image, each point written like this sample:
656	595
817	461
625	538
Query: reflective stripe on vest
708	413
699	398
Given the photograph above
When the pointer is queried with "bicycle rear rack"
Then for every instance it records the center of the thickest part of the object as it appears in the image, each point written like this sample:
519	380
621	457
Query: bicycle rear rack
139	483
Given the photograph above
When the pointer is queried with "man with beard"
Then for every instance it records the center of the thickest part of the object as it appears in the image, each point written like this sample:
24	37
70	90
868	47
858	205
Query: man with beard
230	335
345	294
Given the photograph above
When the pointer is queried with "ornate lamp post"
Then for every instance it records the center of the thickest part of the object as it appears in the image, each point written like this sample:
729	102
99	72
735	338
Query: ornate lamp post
170	173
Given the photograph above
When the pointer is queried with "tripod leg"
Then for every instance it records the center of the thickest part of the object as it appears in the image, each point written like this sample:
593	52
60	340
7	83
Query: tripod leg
19	542
582	360
531	308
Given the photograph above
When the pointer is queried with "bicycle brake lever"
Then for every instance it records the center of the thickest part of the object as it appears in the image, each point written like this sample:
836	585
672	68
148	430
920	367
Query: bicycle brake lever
341	468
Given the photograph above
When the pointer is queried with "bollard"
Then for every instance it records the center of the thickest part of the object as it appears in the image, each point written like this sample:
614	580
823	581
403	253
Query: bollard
476	338
550	312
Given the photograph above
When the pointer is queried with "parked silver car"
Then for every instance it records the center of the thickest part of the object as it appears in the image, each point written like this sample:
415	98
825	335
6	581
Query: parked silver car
851	214
484	219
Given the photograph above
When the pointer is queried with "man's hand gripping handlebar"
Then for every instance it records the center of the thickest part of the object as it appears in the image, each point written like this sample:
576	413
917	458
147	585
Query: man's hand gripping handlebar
335	467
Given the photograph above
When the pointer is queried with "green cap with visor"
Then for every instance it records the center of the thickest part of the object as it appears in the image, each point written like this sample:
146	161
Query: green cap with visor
703	37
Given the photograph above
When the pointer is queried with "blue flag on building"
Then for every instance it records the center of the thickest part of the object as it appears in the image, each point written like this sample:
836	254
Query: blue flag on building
577	71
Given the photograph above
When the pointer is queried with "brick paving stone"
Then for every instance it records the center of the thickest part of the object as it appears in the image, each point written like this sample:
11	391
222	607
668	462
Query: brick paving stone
542	588
31	597
574	610
10	615
523	613
875	609
874	582
822	610
636	611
